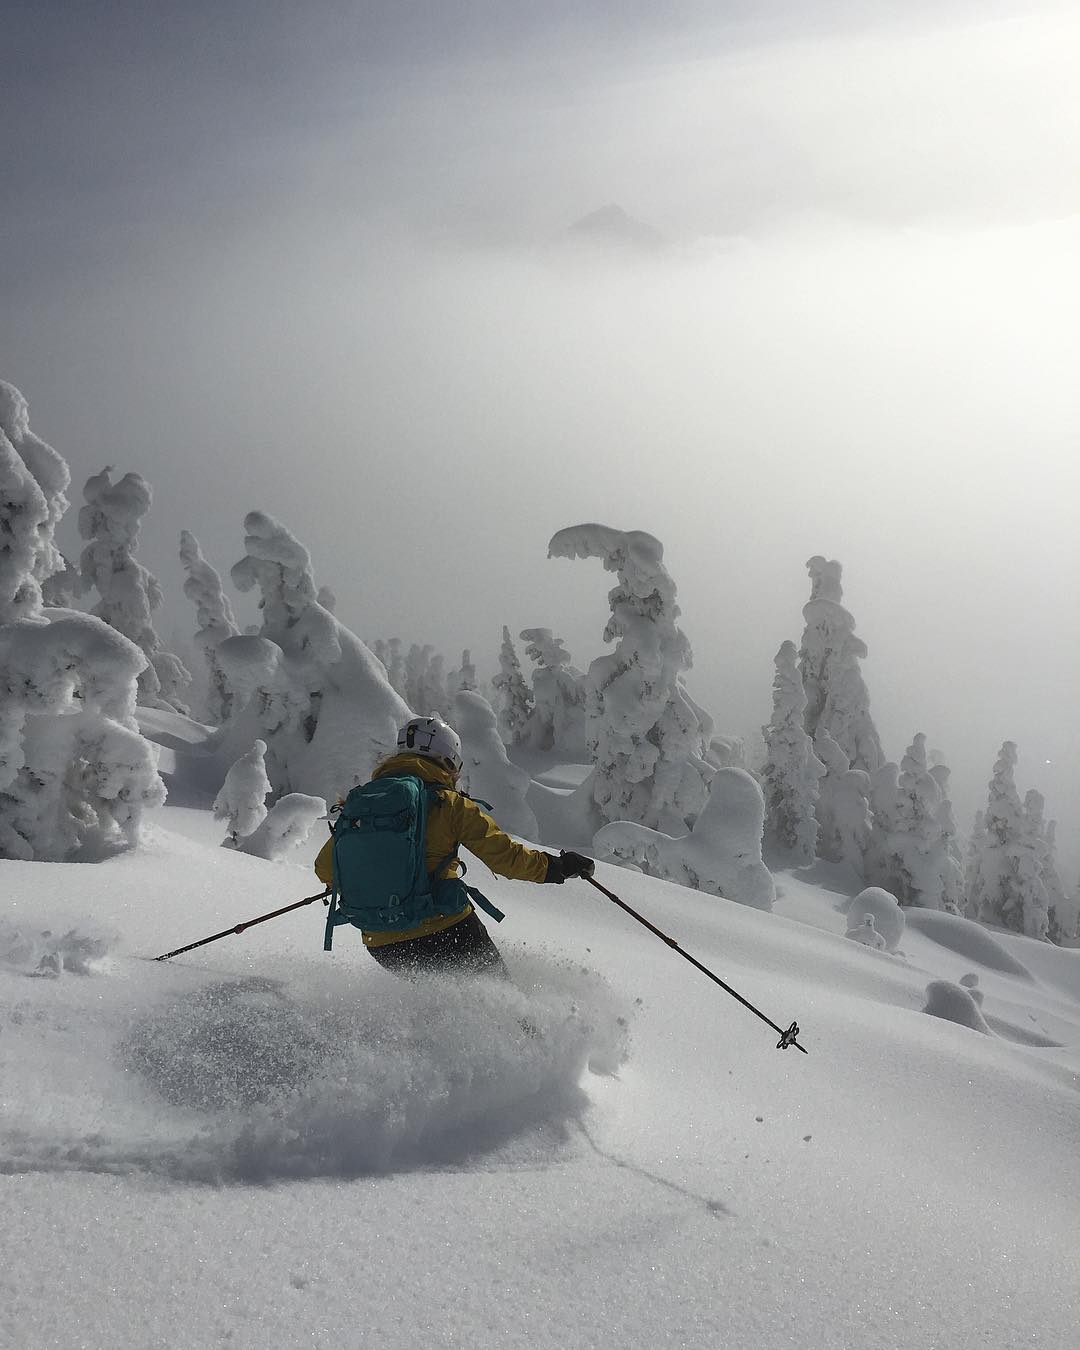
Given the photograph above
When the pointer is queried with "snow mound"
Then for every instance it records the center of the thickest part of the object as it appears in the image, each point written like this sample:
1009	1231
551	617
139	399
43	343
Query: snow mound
867	934
720	855
881	906
42	952
955	1003
970	939
328	1074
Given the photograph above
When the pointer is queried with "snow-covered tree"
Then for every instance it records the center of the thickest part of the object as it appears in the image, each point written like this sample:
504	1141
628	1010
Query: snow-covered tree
395	666
792	771
60	590
129	594
947	820
513	699
486	771
843	810
464	678
557	720
720	855
837	701
33	485
241	803
911	850
1006	885
975	846
393	660
1057	901
416	665
425	681
311	689
433	686
216	622
646	736
882	864
75	774
1031	857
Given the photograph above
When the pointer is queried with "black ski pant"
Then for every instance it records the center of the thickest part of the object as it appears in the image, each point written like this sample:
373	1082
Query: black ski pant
465	947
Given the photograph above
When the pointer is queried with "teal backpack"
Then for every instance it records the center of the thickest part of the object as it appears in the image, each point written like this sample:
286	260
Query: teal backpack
380	883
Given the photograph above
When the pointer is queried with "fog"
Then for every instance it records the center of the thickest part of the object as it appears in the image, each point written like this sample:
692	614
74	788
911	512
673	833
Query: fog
321	271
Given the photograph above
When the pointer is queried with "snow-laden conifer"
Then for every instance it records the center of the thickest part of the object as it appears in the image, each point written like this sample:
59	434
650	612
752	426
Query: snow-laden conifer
395	666
486	771
312	691
75	773
463	678
129	594
61	589
1005	884
837	699
557	719
972	886
512	697
33	486
1032	914
720	855
646	736
433	687
216	622
1057	901
947	821
882	865
425	681
911	844
992	876
241	803
843	810
792	771
416	668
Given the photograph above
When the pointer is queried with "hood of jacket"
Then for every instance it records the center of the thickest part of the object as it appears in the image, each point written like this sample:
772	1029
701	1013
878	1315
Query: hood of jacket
425	769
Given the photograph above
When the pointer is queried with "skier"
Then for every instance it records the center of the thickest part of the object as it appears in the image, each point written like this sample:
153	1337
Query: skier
430	750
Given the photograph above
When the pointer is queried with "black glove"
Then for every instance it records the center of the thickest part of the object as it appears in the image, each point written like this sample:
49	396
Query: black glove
563	865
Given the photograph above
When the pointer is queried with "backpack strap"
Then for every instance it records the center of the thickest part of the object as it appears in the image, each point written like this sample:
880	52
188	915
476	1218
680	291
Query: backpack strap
477	897
333	915
478	800
483	902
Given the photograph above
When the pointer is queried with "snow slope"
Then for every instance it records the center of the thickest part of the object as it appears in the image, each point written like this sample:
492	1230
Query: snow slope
260	1145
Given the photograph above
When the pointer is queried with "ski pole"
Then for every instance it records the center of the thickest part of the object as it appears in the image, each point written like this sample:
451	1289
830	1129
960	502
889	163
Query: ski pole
228	932
786	1037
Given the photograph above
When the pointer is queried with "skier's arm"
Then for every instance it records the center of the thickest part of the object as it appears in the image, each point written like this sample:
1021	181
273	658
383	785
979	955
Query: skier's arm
476	831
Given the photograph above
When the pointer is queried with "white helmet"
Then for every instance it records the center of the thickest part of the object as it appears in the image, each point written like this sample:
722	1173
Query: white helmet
432	738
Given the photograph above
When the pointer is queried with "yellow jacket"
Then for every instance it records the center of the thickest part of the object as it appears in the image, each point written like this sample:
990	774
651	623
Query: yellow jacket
453	821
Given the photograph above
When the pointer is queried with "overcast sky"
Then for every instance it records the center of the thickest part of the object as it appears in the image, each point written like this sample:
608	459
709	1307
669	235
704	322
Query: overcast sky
307	258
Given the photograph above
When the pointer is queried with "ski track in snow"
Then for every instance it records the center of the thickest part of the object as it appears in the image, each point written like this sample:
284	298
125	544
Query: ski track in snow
302	1072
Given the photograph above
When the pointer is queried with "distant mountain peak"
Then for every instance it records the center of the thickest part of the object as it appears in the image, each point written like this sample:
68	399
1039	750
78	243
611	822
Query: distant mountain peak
612	224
